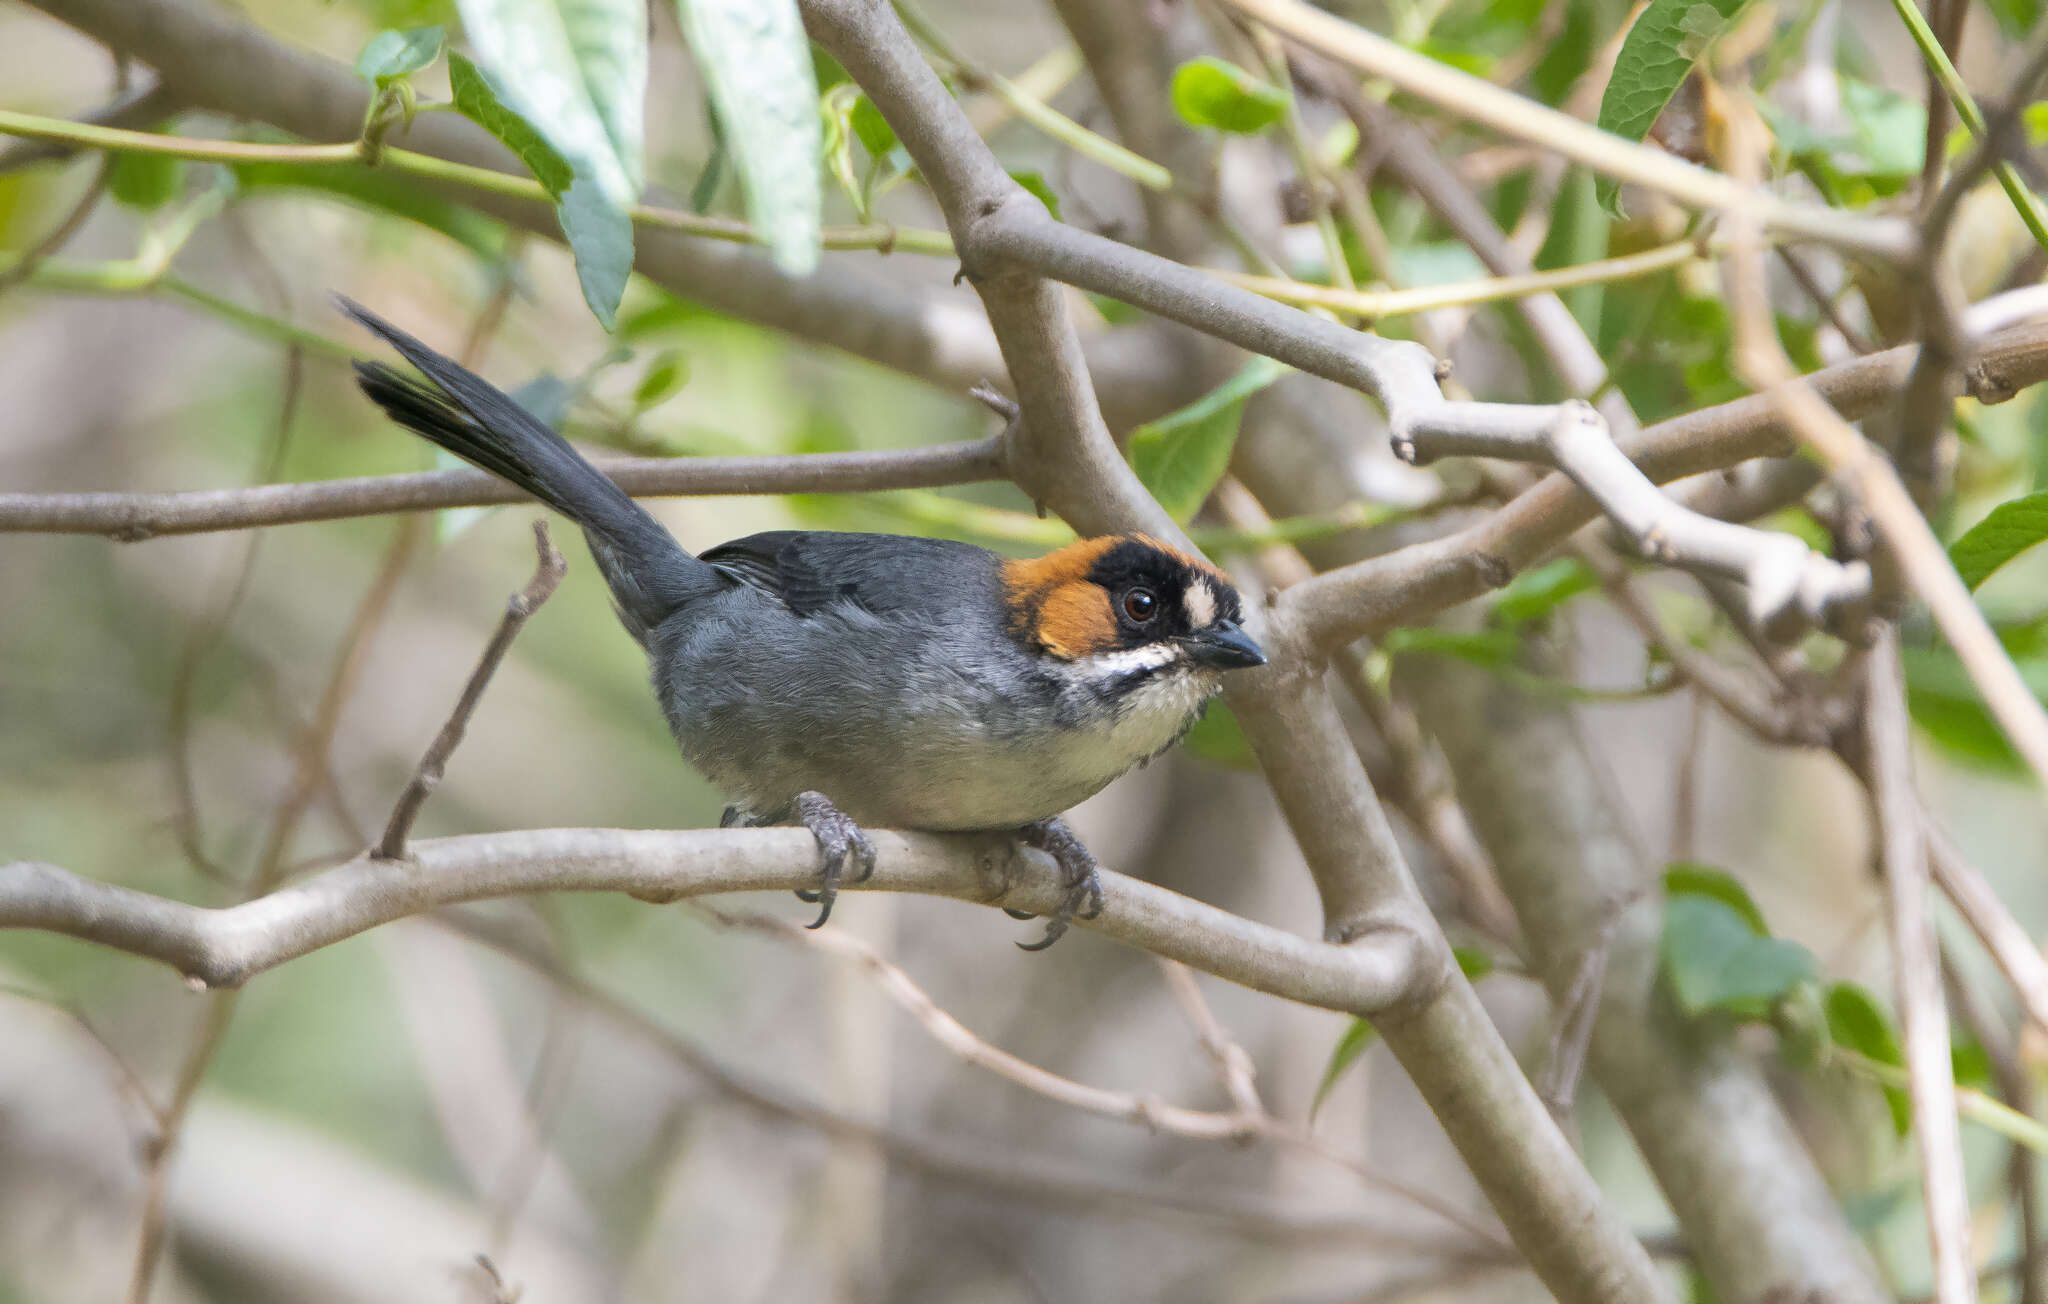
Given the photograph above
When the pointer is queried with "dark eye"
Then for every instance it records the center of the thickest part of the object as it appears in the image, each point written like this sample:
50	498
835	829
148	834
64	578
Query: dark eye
1140	605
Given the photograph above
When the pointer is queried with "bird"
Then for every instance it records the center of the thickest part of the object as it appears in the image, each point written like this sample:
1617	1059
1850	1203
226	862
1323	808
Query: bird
842	680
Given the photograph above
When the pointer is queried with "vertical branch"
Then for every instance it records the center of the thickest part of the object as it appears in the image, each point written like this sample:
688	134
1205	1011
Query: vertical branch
1917	978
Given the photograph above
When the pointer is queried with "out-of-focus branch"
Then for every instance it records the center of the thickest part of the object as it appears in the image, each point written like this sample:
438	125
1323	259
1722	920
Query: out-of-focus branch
1406	586
225	947
141	107
1923	1015
1760	1219
547	574
134	517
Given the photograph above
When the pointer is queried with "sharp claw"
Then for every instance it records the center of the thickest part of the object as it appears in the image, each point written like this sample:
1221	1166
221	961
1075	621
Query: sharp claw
825	912
1053	933
1018	914
808	896
1083	897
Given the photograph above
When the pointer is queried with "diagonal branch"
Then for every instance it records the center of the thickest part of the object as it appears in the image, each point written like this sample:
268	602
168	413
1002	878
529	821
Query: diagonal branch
547	573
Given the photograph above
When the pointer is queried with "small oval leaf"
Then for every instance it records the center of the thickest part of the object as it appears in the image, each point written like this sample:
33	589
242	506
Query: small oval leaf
390	55
1656	55
1212	92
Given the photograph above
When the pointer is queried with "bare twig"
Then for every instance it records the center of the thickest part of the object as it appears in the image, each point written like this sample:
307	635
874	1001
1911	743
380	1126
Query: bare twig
133	517
1242	1124
138	108
1922	1014
1234	1066
547	573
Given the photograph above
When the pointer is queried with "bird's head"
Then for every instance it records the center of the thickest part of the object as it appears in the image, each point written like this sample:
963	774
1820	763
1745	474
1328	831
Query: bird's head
1127	605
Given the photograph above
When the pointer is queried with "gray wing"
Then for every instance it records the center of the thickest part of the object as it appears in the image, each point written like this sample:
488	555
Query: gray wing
886	574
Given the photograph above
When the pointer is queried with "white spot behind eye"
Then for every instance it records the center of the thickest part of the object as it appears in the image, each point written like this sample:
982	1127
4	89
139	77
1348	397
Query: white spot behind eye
1201	605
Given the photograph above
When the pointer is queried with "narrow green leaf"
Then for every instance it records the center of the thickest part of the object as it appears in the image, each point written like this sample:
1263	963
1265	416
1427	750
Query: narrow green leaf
1536	593
1036	183
663	377
477	99
1182	455
600	235
390	55
877	137
1658	52
1856	1020
145	181
1714	961
1212	92
757	63
1686	878
2010	529
576	71
1349	1047
1474	962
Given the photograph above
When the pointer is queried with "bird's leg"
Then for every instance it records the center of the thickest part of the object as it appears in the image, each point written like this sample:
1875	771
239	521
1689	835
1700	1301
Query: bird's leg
838	837
1078	871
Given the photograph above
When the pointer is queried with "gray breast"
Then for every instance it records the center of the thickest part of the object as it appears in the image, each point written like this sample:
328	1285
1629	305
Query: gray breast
906	722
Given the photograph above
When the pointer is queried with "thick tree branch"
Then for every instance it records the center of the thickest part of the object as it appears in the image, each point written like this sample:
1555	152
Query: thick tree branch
225	947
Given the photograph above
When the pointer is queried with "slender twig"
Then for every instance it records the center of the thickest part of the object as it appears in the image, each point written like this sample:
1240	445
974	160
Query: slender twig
1203	1125
548	572
134	517
1019	1175
1923	1017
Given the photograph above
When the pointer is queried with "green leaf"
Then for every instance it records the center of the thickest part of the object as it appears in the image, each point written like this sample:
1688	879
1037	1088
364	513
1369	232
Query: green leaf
1685	878
1715	961
1182	455
756	62
599	232
1349	1047
876	136
2016	17
391	55
1474	962
381	190
663	377
146	181
2010	529
1801	1021
477	99
600	235
1490	649
1856	1020
1536	593
1218	737
1945	704
1212	92
1036	183
1655	57
576	71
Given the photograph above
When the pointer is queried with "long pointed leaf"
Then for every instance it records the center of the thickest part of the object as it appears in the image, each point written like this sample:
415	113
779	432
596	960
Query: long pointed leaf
757	63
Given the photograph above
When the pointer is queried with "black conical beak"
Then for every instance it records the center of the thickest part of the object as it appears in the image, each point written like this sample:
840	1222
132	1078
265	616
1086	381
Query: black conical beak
1223	646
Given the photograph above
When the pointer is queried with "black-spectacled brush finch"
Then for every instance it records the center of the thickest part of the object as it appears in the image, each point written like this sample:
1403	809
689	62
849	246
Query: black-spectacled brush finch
849	679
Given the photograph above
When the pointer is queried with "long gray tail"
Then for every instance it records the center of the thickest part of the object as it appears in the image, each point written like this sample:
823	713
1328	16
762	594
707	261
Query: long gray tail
650	574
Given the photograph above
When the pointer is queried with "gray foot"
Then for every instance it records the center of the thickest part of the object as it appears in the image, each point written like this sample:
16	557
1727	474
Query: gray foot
838	838
1078	870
